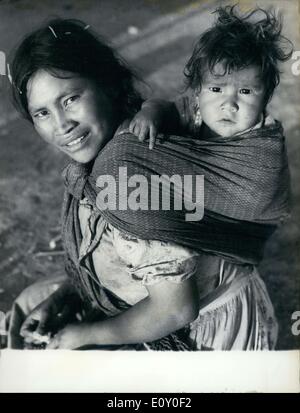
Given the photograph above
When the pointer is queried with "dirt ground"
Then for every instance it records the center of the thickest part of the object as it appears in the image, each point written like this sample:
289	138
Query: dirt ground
156	37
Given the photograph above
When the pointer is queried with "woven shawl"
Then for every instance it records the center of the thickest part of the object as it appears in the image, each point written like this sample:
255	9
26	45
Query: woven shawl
246	192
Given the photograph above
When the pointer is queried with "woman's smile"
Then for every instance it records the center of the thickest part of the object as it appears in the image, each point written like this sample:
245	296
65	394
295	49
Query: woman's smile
76	143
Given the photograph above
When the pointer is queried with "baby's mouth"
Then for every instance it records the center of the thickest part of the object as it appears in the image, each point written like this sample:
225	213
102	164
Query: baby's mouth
226	120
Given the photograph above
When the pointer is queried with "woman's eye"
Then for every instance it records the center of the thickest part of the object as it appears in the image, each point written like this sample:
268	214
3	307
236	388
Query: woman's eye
41	115
215	89
71	99
245	91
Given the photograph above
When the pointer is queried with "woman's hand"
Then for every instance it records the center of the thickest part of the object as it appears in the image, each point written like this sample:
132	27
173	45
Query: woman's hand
70	337
50	315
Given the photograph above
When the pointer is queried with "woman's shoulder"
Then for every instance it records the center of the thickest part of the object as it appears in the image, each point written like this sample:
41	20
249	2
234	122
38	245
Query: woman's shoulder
121	147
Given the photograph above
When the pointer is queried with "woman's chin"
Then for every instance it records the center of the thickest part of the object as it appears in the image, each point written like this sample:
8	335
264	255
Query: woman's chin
83	156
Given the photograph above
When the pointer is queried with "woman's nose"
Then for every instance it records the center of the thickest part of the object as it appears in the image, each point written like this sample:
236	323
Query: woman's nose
63	124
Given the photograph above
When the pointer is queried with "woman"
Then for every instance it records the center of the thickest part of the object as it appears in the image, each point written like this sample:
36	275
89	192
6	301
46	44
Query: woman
128	279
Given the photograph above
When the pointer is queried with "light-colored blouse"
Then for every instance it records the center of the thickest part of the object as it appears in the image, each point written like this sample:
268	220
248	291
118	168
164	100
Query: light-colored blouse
235	309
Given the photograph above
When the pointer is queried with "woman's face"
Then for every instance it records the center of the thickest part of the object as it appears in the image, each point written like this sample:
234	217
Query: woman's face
70	113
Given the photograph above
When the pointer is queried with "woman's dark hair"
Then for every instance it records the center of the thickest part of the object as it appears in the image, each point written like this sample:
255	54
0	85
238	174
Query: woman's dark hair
237	42
69	45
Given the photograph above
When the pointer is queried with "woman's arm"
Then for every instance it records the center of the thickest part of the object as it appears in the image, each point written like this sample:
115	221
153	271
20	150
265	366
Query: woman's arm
168	307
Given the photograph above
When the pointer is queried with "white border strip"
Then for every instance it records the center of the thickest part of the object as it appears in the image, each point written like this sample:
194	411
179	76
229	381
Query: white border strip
117	371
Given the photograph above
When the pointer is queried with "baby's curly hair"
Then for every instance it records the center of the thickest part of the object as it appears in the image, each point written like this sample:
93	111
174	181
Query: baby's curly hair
238	41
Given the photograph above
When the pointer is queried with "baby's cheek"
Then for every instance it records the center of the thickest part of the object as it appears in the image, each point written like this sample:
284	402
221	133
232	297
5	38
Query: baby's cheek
207	114
209	101
252	105
251	113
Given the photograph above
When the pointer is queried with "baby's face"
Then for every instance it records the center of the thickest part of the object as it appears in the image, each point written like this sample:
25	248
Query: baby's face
231	103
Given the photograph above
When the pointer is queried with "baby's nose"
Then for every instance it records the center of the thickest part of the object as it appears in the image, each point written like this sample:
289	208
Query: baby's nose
230	106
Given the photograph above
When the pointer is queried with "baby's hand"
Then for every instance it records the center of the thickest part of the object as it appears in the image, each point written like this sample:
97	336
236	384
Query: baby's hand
144	125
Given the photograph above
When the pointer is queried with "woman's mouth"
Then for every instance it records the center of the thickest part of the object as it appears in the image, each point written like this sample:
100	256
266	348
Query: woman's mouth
77	143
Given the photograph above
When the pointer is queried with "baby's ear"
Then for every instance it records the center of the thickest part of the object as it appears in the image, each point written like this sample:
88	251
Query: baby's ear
197	90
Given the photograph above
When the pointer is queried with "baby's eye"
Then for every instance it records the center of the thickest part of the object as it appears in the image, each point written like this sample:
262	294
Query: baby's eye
245	91
41	115
215	89
70	100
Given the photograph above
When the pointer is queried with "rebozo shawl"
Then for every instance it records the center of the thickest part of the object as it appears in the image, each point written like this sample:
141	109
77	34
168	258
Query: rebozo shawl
246	194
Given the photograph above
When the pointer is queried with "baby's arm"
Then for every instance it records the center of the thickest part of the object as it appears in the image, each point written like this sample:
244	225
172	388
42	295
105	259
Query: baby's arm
156	116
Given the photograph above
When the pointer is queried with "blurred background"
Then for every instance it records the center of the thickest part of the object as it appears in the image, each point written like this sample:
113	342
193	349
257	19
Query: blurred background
156	37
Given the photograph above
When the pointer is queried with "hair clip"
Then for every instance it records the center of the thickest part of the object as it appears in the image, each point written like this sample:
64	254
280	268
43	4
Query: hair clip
86	27
68	32
53	32
11	80
9	74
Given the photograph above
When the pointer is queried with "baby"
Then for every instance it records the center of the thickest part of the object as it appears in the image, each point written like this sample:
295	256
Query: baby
230	77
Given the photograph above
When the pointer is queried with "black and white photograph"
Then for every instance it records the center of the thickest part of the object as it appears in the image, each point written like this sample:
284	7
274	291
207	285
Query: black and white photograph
149	196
